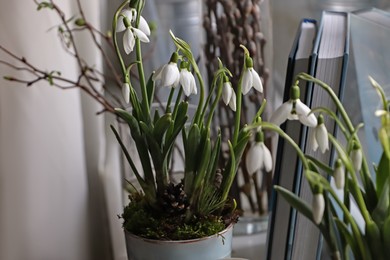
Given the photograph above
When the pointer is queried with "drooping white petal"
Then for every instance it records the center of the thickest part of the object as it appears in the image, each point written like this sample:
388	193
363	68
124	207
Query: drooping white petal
321	135
126	92
232	102
281	113
247	82
303	113
313	141
254	158
194	89
141	35
318	205
157	74
144	26
267	158
128	41
257	84
120	26
185	81
170	75
227	92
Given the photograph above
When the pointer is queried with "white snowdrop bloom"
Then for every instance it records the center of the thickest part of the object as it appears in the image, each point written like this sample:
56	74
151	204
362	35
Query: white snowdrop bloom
131	33
251	79
187	82
131	15
168	74
318	207
319	137
258	158
126	92
339	174
294	110
227	92
121	24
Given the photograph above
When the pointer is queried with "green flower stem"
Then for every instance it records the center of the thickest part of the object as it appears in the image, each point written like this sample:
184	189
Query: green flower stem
168	106
140	66
344	115
115	40
215	103
237	119
197	117
177	104
354	226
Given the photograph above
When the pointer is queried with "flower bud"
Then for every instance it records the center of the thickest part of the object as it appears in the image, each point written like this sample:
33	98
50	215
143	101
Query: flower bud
356	157
339	174
318	205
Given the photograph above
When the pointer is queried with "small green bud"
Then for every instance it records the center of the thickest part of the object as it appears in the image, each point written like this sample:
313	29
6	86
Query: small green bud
295	92
320	119
80	22
259	138
248	62
174	57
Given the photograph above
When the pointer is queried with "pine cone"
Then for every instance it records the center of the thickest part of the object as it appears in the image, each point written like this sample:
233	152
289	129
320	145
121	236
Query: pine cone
174	199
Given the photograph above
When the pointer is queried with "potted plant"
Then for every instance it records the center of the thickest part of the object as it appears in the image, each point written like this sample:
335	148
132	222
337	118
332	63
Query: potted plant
165	218
369	191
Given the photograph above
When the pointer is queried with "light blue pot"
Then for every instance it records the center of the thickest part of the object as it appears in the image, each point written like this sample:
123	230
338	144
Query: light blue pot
209	248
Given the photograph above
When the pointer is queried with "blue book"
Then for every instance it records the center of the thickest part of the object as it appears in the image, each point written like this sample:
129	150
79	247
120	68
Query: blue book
301	59
332	51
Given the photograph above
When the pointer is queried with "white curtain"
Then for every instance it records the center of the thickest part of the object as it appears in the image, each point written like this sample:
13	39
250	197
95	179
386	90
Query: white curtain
59	176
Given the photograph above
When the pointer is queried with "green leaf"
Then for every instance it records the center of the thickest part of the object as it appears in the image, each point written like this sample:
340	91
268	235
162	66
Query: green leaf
229	173
203	163
348	237
296	202
161	126
191	148
381	210
374	241
386	236
214	160
382	173
150	88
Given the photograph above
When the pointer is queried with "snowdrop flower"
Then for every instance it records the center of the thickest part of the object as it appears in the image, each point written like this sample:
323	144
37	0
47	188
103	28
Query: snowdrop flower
339	174
250	78
294	109
187	80
318	205
259	157
168	73
124	24
320	136
126	92
356	157
131	15
228	94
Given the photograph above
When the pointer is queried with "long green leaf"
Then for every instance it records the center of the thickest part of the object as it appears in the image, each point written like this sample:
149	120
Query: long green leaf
382	174
347	236
295	202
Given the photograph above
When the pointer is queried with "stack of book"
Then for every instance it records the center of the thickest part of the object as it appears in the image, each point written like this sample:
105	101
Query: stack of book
342	51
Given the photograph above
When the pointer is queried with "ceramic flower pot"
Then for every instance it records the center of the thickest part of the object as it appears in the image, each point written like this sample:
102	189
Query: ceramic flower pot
214	247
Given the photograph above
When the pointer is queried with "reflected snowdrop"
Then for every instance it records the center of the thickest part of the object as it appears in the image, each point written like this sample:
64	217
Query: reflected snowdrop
319	137
259	156
294	109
